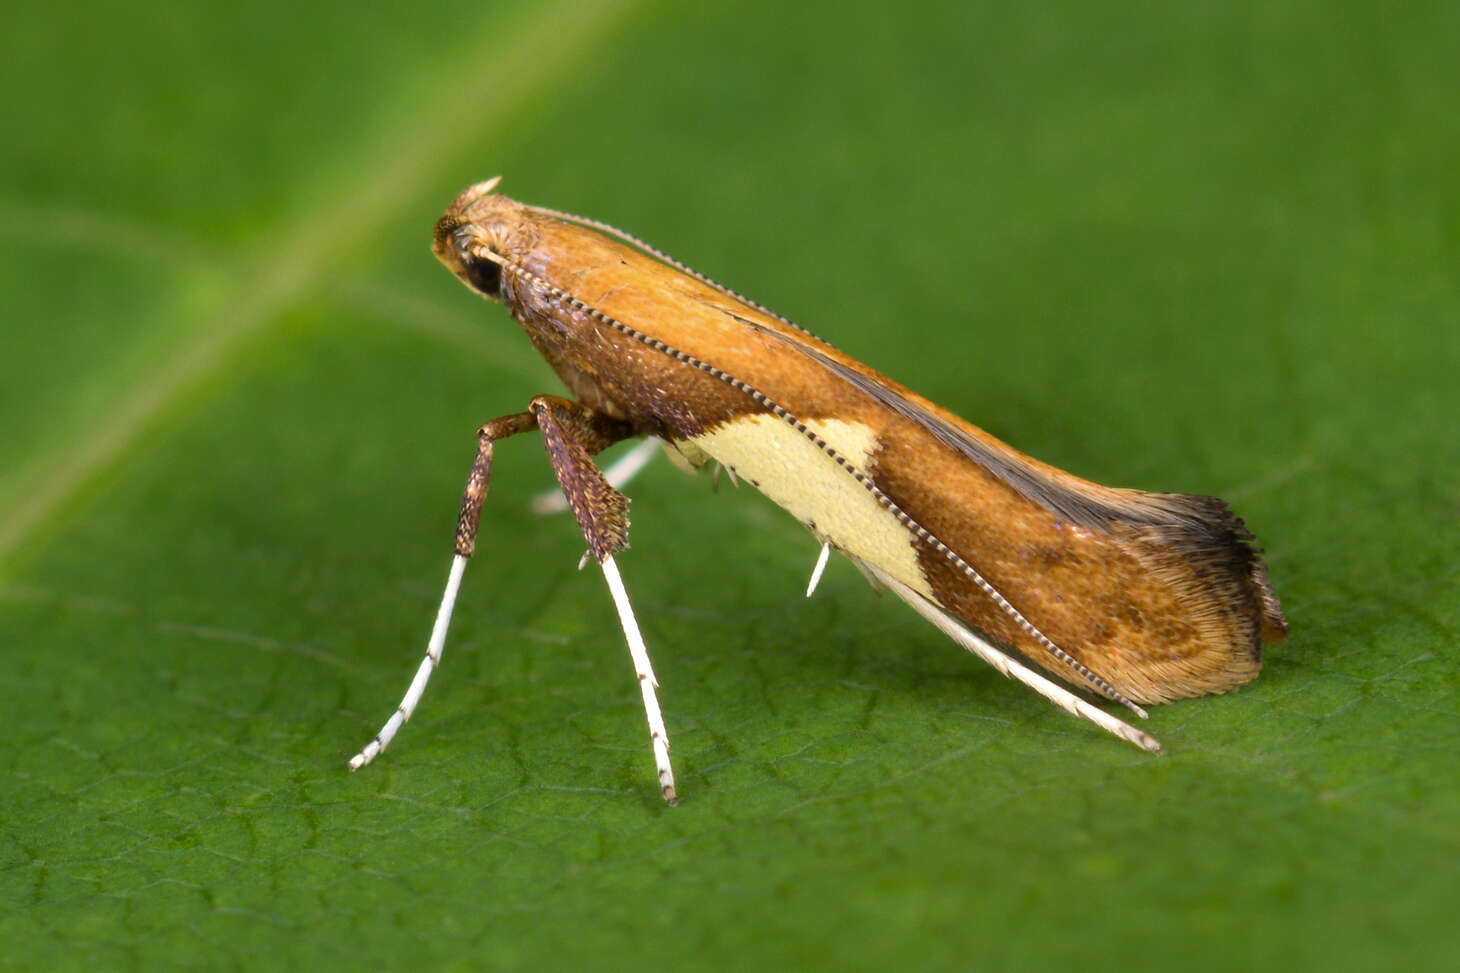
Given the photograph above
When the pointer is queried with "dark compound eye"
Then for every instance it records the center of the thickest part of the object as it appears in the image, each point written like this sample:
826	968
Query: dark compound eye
484	276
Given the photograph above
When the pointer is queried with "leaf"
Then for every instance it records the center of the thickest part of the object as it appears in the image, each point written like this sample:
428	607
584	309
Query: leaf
1166	247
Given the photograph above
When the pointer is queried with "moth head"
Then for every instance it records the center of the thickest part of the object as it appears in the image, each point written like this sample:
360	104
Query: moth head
471	235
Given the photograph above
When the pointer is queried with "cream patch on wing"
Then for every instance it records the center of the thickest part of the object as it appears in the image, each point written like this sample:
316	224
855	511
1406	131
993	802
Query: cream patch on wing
798	476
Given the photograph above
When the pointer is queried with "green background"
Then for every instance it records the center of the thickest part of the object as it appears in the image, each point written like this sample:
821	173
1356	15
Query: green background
1209	248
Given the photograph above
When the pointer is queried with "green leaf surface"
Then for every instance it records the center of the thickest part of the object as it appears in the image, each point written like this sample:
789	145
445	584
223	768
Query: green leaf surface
1207	248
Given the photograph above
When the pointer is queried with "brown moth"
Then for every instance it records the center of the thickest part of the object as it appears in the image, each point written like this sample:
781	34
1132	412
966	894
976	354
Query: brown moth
1141	597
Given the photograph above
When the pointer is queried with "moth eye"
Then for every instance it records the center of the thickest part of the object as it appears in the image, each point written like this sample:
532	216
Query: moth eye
484	276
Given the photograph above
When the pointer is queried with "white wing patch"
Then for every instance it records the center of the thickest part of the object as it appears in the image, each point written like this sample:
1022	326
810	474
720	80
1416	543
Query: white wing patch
793	472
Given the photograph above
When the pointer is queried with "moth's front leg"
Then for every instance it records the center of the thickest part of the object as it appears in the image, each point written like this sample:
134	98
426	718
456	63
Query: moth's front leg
572	433
467	520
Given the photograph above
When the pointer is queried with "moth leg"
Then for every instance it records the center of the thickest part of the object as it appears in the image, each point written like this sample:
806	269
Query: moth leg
618	474
571	433
1013	669
820	567
466	536
639	652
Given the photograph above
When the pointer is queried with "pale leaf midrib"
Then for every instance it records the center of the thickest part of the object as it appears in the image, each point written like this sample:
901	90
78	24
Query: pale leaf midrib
507	71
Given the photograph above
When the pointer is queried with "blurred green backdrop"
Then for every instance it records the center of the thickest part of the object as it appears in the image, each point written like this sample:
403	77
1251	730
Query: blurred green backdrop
1198	247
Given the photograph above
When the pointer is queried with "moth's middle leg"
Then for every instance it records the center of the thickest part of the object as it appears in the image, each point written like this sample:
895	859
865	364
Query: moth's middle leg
572	433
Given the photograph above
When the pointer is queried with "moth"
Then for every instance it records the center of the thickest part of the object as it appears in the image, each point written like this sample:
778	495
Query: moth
1138	597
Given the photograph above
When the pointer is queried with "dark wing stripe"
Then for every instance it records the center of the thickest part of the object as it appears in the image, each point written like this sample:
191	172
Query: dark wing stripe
1082	510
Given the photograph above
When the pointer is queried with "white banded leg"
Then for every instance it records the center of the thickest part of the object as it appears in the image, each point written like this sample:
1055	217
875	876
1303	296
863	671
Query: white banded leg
658	735
1014	669
428	665
467	521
